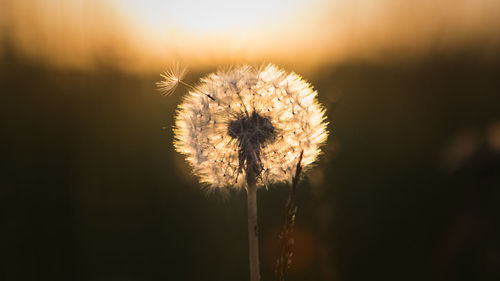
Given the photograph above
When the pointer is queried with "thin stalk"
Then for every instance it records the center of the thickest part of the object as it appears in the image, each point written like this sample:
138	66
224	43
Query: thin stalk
193	88
285	258
253	231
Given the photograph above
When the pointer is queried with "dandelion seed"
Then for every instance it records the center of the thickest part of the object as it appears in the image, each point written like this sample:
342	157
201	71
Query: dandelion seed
255	120
171	78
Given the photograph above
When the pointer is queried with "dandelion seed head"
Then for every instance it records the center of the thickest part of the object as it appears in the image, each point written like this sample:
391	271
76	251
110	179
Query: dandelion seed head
249	120
171	78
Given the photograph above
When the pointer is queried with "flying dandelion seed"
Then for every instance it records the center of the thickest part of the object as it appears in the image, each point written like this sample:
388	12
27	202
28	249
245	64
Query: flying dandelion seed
172	77
247	127
247	120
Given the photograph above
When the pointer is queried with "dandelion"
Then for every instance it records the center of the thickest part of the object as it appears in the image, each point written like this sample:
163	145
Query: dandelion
246	120
171	78
245	127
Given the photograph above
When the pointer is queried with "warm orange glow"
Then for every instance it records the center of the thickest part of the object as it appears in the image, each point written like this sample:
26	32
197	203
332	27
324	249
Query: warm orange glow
150	34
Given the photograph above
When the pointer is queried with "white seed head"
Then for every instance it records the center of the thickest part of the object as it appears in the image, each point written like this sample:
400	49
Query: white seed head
247	120
171	78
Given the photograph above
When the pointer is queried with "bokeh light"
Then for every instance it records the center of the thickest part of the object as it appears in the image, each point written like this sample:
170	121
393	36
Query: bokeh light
144	34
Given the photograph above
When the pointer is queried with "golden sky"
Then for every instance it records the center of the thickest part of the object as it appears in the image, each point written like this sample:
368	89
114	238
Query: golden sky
142	35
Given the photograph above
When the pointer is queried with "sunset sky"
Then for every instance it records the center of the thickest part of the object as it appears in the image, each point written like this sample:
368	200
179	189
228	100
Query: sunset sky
140	34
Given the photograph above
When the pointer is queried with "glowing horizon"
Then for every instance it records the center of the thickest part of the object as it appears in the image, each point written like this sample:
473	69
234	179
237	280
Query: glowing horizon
141	35
211	17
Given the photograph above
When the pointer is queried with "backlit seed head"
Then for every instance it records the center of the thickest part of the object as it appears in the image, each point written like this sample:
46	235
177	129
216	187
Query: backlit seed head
247	120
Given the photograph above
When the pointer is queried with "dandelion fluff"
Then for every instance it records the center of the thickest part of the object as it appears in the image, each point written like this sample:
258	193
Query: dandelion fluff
171	78
249	120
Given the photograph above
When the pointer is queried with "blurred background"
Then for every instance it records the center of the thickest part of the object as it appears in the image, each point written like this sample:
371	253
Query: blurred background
407	187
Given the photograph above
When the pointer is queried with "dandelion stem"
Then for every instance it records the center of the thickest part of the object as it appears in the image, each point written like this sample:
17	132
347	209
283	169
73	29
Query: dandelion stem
253	231
186	84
